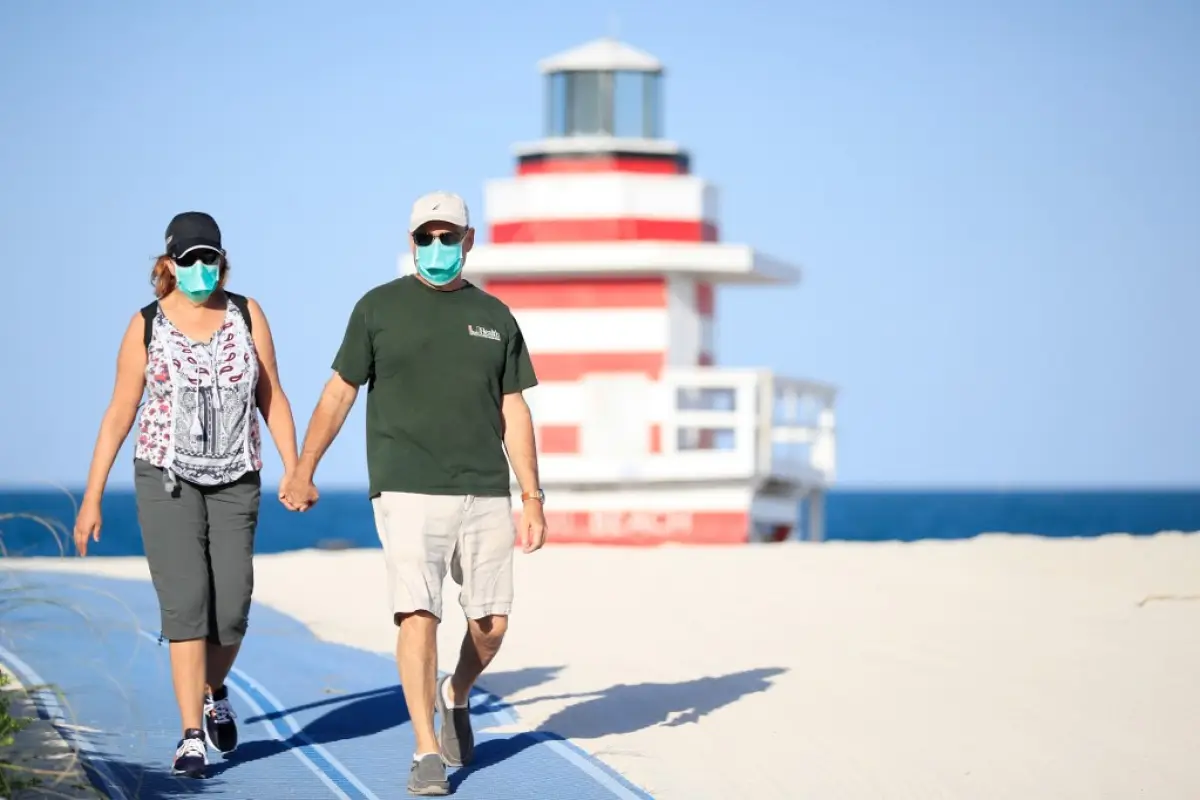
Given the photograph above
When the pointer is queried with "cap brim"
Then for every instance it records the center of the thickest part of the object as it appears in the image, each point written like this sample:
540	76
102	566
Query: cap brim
184	245
416	222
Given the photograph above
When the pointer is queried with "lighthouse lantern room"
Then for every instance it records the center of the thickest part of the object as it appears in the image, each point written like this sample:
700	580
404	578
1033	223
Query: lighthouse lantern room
606	247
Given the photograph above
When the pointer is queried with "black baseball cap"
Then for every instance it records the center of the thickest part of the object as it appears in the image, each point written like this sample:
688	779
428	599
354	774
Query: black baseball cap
192	229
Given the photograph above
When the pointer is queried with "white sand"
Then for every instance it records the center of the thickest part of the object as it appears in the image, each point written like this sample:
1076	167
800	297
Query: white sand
1005	668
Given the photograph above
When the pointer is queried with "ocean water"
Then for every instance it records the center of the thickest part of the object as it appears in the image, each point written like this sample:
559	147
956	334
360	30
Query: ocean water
343	518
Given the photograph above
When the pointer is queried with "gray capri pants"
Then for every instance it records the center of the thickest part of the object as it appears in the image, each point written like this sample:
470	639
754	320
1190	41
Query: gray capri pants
199	543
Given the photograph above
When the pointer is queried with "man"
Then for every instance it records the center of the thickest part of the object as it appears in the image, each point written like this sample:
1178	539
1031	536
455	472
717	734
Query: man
445	366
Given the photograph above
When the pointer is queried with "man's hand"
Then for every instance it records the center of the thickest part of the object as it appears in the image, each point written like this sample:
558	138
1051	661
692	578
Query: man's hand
297	492
87	525
533	526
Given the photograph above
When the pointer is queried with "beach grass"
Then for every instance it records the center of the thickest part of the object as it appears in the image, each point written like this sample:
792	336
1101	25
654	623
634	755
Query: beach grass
35	760
14	777
58	531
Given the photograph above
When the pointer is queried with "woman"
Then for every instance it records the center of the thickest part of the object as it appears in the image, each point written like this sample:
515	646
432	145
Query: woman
206	361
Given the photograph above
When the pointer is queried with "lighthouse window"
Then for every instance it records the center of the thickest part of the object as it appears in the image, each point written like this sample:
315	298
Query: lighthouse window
556	104
585	103
652	105
603	103
629	105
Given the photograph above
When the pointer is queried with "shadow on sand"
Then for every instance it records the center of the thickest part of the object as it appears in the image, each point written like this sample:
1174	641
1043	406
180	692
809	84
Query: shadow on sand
626	708
622	708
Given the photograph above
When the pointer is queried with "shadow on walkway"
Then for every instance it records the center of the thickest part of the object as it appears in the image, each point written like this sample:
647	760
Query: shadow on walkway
619	709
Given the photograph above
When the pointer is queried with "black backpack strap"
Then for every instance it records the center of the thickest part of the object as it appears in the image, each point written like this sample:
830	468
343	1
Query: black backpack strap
239	300
149	311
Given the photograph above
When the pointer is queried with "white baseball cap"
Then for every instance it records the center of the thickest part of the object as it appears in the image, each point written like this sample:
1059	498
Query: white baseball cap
439	207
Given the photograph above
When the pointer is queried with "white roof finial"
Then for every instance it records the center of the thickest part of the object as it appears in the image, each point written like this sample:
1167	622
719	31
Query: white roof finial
602	55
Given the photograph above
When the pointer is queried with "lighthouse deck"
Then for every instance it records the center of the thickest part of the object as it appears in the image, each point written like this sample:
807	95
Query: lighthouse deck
704	424
729	263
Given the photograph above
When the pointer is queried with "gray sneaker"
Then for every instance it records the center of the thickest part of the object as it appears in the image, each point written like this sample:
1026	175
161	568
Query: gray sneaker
455	737
428	777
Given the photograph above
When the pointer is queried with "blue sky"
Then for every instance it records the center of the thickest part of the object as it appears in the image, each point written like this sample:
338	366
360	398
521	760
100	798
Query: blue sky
997	205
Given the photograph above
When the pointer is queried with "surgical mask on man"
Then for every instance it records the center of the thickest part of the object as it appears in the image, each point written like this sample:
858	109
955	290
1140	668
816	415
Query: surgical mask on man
440	263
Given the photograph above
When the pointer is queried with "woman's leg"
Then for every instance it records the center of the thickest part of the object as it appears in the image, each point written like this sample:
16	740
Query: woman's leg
219	661
232	521
187	674
174	534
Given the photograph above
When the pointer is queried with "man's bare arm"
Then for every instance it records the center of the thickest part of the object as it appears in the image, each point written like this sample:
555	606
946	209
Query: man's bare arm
522	454
519	442
332	409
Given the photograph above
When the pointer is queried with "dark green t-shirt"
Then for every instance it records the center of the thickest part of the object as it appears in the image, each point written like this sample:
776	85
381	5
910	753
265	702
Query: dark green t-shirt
437	365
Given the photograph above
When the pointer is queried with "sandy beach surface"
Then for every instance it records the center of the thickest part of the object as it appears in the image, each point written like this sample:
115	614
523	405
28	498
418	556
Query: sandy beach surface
999	668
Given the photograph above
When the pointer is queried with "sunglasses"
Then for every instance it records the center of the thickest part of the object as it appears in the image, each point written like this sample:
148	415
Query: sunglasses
191	257
448	238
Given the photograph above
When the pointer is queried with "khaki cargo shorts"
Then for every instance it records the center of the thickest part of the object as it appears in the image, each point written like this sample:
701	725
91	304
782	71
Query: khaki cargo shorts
425	535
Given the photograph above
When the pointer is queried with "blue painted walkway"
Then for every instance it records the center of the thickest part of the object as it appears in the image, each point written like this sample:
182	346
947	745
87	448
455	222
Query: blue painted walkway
317	720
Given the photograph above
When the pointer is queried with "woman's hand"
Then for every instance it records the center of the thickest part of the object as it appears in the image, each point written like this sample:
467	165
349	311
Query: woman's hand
297	492
87	525
285	486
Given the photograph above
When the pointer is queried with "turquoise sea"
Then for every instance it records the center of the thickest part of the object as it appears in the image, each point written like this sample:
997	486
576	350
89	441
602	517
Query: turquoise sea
343	518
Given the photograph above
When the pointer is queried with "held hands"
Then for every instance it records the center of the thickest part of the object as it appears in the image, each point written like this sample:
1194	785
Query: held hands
532	531
87	525
297	492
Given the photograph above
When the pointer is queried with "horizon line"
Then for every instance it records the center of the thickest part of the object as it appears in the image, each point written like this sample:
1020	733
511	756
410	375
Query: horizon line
856	487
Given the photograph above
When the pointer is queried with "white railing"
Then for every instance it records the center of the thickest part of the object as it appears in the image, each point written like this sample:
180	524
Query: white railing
785	426
798	426
713	423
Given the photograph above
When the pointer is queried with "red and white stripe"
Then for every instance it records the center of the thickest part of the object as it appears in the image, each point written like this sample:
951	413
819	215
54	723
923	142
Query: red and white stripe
576	165
601	207
611	325
643	516
577	328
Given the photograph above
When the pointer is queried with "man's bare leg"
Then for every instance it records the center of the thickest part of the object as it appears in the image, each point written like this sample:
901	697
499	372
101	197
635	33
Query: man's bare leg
479	646
416	659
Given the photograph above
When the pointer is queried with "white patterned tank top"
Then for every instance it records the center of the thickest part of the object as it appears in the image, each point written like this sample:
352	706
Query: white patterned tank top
200	420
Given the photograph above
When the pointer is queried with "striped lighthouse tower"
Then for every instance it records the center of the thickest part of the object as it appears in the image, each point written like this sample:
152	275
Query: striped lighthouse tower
606	247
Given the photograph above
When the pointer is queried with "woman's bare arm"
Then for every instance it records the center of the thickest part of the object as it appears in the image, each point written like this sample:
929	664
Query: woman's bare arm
122	408
272	400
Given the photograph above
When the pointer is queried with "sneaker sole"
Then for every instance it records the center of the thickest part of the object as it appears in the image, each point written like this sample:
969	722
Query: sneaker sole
190	773
429	791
